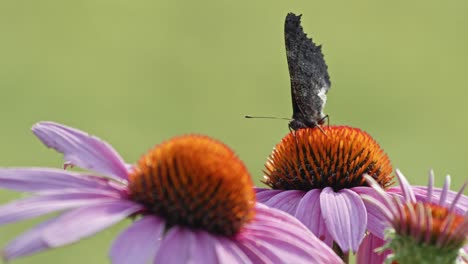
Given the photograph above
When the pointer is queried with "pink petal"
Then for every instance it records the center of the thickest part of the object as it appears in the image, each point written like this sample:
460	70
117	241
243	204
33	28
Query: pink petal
310	214
278	251
286	201
461	206
138	243
345	216
375	190
27	243
229	252
443	195
430	186
256	253
183	245
206	246
44	180
82	149
176	246
277	234
459	197
263	195
83	222
366	253
40	205
405	186
378	215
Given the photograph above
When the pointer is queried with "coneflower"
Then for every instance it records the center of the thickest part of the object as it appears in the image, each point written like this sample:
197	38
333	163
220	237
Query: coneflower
316	175
430	230
192	198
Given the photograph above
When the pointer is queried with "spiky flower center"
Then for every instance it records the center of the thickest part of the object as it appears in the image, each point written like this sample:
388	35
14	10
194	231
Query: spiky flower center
197	182
336	157
431	224
425	233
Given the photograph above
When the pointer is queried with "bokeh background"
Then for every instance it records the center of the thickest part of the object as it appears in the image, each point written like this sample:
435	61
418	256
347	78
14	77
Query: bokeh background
139	72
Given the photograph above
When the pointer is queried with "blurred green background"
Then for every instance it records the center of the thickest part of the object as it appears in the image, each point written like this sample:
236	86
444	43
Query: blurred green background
138	72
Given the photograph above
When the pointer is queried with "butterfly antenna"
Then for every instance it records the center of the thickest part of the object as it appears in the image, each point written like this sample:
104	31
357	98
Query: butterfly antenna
268	117
321	129
327	117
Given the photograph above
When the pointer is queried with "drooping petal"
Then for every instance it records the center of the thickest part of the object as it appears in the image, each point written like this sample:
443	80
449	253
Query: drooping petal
286	201
378	216
40	205
377	219
138	243
175	247
278	250
86	221
27	243
256	253
228	252
180	245
310	214
375	190
45	180
82	149
277	234
263	194
366	253
206	246
345	216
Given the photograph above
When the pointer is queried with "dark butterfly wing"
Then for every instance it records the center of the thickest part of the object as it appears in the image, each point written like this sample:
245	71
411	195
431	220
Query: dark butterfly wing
308	72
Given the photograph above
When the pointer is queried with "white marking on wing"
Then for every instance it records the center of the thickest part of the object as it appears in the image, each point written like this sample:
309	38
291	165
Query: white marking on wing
323	95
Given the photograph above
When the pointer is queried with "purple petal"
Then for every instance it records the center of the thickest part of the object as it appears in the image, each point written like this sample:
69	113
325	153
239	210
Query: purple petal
206	246
310	214
276	235
461	206
27	243
176	246
44	179
82	149
83	222
138	243
345	216
458	197
40	205
286	201
263	195
376	191
277	250
430	186
377	221
405	186
189	245
378	216
229	252
444	193
366	253
256	253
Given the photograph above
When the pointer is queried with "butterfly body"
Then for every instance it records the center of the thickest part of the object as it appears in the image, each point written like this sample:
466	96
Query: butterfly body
308	73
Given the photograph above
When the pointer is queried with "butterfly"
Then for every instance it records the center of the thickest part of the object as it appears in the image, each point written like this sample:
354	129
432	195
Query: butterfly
309	76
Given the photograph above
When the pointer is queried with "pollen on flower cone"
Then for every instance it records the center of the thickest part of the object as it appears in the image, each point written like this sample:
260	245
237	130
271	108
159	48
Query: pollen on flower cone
336	156
197	182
